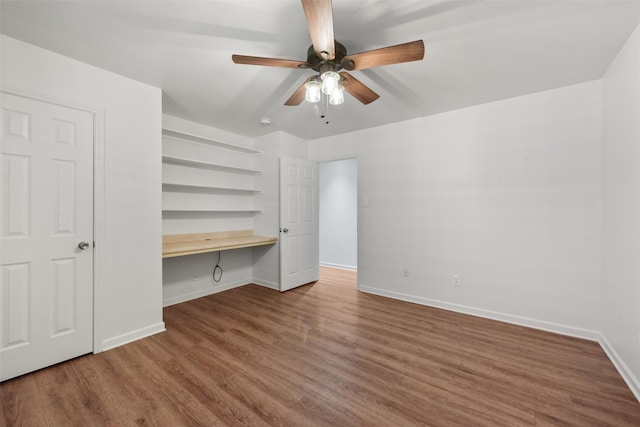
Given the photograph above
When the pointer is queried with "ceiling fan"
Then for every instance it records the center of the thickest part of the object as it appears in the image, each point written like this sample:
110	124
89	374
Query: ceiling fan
328	57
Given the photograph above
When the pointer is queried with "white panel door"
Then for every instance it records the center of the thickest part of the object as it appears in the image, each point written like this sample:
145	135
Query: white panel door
46	211
299	259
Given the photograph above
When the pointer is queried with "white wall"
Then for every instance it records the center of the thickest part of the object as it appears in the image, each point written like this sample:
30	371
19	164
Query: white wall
621	211
266	259
338	194
189	277
128	234
506	195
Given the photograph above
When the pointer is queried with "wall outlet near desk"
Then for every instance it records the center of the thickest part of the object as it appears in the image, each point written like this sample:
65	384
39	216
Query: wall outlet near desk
455	280
405	271
195	277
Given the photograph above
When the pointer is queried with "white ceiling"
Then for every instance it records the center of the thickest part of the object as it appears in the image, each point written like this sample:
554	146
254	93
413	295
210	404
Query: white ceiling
475	52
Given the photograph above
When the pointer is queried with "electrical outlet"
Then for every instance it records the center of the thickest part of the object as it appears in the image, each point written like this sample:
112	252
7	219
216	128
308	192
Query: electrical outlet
455	280
405	271
195	277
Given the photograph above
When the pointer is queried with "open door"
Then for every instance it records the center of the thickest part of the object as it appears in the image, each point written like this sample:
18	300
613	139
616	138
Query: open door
299	259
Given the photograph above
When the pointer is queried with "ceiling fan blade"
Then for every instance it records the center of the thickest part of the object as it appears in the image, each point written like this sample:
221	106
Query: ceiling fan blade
268	62
357	89
298	95
319	15
405	52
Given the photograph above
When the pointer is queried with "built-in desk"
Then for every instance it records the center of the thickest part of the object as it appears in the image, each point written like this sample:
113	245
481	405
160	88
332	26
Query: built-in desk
174	245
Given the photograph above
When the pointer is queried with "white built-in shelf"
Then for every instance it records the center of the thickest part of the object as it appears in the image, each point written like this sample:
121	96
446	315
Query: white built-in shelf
227	193
208	165
189	188
204	140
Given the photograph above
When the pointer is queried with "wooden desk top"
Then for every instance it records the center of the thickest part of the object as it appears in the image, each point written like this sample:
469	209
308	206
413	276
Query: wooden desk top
174	245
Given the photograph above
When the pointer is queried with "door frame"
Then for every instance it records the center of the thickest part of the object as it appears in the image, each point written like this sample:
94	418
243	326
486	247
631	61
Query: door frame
98	114
358	202
357	160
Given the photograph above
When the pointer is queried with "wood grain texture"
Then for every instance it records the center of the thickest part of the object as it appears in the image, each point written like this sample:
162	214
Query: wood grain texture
268	62
319	14
174	245
405	52
357	89
326	355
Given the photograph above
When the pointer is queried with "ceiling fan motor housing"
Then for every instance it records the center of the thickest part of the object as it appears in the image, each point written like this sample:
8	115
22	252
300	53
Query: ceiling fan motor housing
320	65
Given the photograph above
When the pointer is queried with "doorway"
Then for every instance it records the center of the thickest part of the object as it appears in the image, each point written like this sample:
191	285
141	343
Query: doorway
338	216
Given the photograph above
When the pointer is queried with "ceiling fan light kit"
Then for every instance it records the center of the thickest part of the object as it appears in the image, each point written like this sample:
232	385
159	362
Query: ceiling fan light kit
328	57
336	97
313	91
329	81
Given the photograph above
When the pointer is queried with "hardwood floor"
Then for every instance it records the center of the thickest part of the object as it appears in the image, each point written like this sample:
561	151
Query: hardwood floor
324	354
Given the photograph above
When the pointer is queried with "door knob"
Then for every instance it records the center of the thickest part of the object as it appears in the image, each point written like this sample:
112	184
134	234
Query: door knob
83	245
285	230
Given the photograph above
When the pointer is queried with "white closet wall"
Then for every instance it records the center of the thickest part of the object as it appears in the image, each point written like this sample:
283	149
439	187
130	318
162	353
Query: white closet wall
127	218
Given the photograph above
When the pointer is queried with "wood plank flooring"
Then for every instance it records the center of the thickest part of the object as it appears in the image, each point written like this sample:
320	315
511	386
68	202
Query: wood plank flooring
326	355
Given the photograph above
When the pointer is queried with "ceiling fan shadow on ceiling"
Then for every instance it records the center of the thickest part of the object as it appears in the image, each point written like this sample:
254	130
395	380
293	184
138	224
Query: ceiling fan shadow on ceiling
329	58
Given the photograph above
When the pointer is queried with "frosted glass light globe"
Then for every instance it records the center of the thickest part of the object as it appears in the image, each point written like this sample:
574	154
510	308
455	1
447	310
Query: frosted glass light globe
336	97
312	91
329	81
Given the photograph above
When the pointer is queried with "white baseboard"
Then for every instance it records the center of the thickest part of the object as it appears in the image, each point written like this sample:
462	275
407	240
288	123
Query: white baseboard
623	369
203	292
488	314
627	375
340	266
267	284
132	336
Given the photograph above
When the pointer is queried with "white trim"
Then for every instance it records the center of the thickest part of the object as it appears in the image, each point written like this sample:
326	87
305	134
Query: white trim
99	215
339	266
627	375
204	292
50	100
132	336
266	284
488	314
